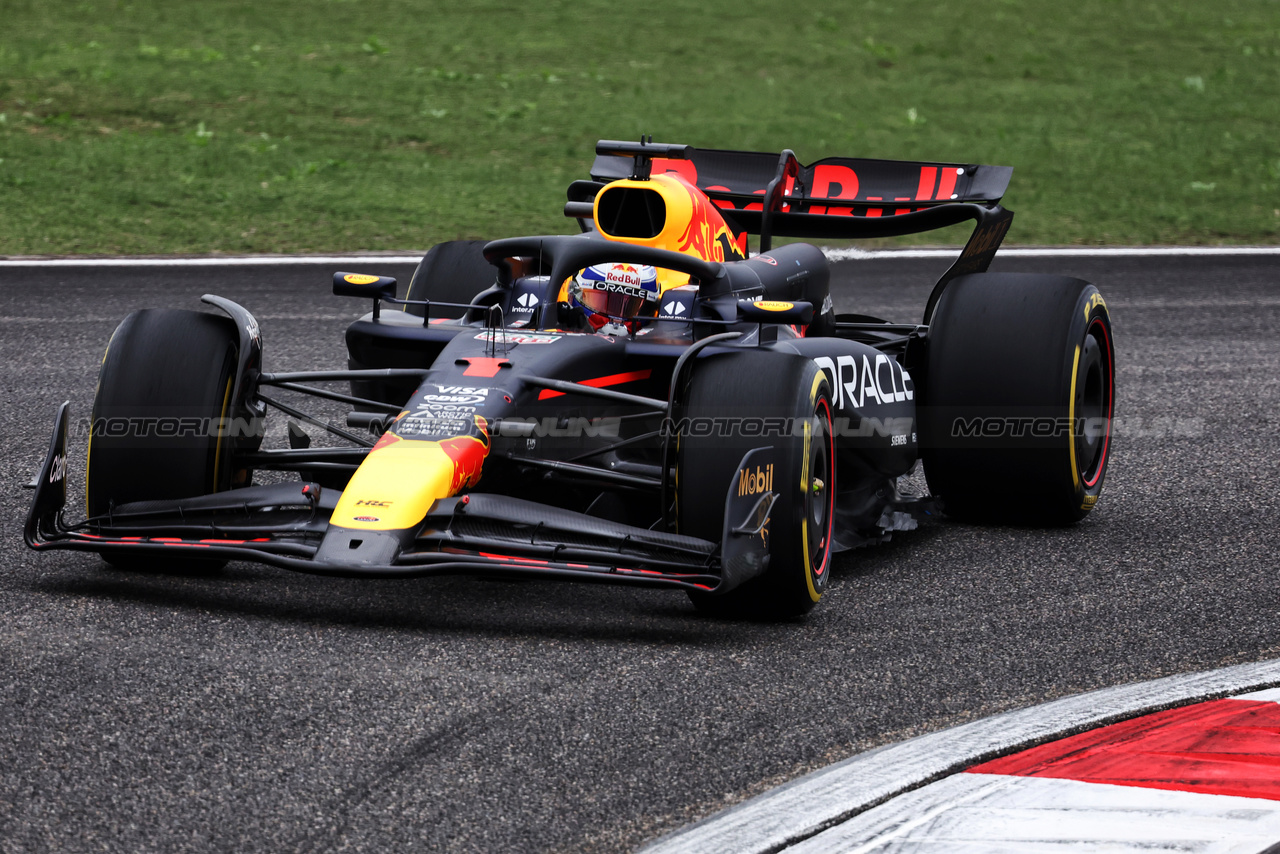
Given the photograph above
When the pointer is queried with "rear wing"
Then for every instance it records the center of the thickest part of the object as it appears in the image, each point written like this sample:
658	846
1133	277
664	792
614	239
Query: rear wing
834	186
834	198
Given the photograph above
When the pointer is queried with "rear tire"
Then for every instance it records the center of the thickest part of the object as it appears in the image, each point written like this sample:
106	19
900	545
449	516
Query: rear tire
453	271
1018	395
762	385
164	385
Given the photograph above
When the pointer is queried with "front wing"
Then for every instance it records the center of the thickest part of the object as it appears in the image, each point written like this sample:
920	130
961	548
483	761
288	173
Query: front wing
285	525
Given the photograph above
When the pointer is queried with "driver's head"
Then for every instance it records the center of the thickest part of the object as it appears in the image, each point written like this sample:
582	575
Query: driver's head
613	296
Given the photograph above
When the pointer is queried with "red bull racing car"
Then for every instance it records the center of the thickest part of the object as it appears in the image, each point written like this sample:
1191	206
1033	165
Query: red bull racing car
642	402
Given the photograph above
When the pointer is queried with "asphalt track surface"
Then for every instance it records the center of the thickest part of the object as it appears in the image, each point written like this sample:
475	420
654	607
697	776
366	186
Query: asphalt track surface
257	710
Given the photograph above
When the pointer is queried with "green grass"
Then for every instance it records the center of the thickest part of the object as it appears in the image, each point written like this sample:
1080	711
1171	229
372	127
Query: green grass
156	127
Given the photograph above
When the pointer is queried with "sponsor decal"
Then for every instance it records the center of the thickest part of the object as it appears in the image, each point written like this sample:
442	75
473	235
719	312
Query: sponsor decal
768	259
373	503
827	305
448	401
625	290
774	305
58	470
624	274
519	337
678	302
859	382
366	518
255	332
754	482
987	239
360	279
483	391
453	397
832	181
435	424
447	412
527	302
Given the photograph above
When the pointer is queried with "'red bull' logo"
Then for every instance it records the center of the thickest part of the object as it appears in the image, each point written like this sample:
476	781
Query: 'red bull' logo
625	274
707	236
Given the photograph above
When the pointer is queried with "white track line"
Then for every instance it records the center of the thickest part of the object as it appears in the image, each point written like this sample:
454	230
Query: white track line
971	813
205	261
832	254
805	807
1057	252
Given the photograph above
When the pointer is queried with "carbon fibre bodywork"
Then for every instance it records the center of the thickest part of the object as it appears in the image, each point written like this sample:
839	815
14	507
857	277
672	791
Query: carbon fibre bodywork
512	440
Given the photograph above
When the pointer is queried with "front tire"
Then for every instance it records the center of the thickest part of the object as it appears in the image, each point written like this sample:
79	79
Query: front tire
160	413
753	387
1019	392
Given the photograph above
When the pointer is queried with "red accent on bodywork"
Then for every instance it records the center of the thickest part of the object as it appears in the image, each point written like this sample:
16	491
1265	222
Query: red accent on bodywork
514	559
721	203
483	366
387	438
928	176
601	382
467	453
948	184
824	177
684	168
1223	747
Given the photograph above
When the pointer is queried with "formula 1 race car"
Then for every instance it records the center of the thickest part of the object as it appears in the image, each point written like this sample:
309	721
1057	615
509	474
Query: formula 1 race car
642	402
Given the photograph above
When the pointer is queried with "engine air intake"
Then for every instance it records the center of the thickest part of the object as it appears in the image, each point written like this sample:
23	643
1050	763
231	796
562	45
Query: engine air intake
631	212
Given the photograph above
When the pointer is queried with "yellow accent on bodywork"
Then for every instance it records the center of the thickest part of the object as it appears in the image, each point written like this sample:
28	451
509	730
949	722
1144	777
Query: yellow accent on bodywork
396	486
693	226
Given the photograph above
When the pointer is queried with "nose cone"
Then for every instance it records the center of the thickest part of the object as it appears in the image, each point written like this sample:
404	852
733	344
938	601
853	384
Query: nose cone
400	479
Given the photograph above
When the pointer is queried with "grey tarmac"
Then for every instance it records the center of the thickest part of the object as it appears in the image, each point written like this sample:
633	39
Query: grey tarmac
256	710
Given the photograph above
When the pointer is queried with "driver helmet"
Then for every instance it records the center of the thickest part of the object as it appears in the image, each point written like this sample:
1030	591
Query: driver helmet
614	296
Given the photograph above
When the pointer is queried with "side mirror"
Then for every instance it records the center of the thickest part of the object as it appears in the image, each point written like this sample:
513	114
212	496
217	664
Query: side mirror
776	311
363	285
